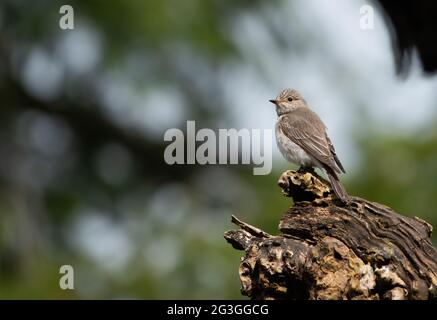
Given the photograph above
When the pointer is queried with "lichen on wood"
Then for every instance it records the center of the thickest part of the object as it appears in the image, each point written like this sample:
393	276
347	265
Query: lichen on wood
330	250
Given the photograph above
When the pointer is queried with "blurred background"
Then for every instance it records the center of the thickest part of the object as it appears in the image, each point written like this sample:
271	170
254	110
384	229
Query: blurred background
83	113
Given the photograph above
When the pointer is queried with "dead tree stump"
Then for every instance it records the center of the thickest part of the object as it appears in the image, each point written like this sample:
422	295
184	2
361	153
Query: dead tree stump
327	250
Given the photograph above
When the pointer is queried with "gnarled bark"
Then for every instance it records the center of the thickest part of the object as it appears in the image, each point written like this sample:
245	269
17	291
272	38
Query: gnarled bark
330	250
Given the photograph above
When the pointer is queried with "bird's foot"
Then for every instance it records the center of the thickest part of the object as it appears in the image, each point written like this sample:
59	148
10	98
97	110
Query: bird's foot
303	169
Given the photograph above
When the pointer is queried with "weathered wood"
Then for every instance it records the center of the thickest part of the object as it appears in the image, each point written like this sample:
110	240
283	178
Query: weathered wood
328	250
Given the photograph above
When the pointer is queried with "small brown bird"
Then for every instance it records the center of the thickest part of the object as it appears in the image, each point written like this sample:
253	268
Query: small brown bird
302	139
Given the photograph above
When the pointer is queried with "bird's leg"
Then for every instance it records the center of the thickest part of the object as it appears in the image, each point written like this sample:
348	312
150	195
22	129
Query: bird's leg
303	169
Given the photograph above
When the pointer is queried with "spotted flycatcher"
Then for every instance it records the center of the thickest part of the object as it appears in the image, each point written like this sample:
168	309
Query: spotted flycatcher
302	139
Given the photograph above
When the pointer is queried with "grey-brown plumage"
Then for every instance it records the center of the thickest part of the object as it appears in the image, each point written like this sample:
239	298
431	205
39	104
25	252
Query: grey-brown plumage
302	139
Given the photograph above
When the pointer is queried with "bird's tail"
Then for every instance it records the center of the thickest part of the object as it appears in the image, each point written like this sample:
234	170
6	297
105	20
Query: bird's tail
338	188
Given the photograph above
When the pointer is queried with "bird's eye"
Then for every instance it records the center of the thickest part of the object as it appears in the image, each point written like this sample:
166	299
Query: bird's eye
290	99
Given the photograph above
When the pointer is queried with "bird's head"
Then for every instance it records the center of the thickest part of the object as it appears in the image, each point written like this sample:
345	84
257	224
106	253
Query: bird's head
287	101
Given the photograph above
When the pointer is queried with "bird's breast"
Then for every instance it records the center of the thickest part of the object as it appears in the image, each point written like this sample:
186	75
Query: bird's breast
291	151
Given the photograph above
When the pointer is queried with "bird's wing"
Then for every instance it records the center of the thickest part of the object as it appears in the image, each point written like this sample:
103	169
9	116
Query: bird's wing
310	136
337	160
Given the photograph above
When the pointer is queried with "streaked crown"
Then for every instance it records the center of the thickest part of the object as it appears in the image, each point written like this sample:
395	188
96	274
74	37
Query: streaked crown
289	93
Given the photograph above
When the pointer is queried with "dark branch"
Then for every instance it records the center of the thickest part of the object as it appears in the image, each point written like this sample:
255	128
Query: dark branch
325	250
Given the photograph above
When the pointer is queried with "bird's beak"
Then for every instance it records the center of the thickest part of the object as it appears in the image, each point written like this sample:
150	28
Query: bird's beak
273	101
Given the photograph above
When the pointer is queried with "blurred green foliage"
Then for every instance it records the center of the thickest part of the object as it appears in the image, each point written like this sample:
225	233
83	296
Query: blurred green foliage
399	171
